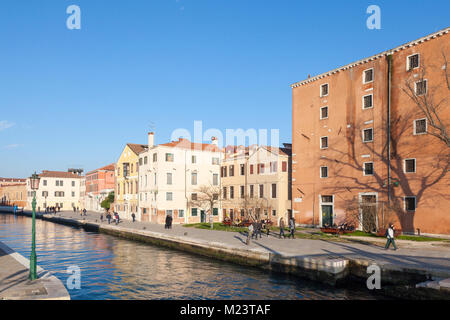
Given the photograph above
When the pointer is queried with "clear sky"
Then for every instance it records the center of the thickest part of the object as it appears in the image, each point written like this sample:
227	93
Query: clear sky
74	98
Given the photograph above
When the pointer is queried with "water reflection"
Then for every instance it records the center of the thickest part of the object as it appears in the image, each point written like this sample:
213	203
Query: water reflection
113	268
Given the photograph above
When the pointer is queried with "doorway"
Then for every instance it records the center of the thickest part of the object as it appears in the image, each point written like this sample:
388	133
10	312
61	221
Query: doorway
202	216
368	212
327	210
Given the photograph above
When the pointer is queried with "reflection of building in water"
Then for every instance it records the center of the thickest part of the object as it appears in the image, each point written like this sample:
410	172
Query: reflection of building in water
149	267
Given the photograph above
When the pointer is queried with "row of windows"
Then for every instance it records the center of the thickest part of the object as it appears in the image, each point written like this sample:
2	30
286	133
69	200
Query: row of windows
409	202
251	190
169	179
6	195
412	62
409	166
169	157
58	183
260	168
419	127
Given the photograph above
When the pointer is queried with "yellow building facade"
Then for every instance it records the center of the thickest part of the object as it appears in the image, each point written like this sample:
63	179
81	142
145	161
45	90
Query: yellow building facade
127	181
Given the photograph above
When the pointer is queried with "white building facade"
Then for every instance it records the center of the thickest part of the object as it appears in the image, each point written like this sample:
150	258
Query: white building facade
56	189
170	177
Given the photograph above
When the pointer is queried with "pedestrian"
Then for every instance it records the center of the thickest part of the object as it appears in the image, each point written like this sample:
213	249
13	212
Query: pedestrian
74	209
84	212
390	232
133	216
108	216
117	218
249	234
292	228
166	226
101	217
258	229
282	228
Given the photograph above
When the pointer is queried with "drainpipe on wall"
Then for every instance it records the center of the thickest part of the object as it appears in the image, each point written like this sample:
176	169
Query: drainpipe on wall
389	60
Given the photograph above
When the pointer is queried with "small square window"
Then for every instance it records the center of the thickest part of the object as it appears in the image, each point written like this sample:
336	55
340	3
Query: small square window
169	196
323	142
368	135
410	203
181	213
410	165
194	212
324	113
421	87
194	197
420	126
368	76
169	157
324	172
324	90
412	62
368	101
368	168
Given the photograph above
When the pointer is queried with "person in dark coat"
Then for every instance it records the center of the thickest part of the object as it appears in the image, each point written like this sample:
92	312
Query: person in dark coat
167	222
108	216
133	216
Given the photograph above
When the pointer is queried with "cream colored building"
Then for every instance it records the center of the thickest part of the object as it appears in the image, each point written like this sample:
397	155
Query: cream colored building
170	174
56	189
256	183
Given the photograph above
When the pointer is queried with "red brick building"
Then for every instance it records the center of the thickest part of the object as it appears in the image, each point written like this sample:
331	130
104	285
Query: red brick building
366	147
99	183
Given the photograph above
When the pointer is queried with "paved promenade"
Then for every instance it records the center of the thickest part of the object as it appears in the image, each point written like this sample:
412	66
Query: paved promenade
434	257
14	283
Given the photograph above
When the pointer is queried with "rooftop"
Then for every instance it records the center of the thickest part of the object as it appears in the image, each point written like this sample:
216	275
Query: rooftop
374	57
59	174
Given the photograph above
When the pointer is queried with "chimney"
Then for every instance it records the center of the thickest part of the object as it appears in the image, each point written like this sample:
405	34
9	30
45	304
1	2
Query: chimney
214	141
151	139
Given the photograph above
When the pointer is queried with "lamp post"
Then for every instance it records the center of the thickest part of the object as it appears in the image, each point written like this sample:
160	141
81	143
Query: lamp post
34	183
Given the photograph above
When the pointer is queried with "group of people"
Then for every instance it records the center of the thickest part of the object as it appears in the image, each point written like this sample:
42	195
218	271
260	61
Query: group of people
52	209
291	226
256	228
114	216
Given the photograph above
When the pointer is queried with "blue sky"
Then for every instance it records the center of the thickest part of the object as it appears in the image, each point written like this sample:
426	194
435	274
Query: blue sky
74	98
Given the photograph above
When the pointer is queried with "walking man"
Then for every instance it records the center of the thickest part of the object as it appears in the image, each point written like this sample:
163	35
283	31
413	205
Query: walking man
282	228
390	237
133	216
292	227
108	216
249	234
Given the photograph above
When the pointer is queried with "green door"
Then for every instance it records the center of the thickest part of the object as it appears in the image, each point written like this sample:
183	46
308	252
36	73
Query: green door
327	215
203	216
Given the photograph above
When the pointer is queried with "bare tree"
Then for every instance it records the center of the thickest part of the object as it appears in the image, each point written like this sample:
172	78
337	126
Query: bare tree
431	107
207	198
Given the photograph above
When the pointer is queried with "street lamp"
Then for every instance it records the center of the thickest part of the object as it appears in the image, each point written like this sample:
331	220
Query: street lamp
34	183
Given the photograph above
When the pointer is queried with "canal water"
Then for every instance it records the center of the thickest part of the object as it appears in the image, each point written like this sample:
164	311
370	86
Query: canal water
113	268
